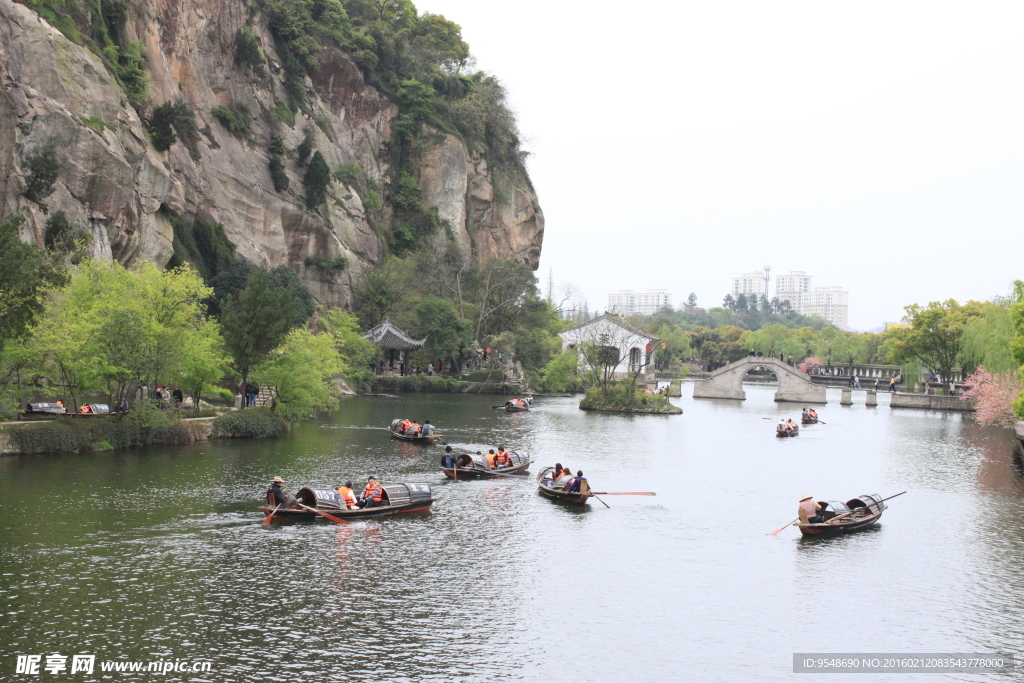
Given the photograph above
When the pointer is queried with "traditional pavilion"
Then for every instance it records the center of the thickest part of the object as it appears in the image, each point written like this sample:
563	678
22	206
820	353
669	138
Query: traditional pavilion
398	348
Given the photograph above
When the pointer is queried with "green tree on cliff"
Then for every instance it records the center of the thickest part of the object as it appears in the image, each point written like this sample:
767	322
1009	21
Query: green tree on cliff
26	273
317	178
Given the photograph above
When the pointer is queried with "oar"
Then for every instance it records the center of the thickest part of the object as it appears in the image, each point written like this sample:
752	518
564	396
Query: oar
267	520
324	514
625	493
602	502
776	532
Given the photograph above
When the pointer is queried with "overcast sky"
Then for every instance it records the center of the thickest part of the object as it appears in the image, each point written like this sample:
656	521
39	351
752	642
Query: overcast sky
878	146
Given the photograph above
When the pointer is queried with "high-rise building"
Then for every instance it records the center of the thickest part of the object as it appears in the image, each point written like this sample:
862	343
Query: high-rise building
789	286
628	302
750	283
830	303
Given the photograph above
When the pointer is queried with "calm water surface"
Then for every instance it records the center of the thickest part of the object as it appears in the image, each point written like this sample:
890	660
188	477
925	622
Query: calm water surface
159	553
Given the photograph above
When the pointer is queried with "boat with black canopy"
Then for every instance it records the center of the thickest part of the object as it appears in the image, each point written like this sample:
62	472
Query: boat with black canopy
396	499
475	466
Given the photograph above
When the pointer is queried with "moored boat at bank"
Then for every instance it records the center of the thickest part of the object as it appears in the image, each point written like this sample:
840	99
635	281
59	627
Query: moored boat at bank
396	499
475	466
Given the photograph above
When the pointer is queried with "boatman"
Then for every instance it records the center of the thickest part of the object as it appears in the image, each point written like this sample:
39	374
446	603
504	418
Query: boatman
280	496
576	482
809	510
427	428
346	494
372	494
805	414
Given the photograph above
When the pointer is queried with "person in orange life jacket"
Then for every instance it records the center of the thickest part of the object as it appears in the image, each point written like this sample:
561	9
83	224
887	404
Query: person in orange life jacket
792	425
490	457
502	459
555	474
413	430
811	509
372	495
276	495
346	494
403	426
576	482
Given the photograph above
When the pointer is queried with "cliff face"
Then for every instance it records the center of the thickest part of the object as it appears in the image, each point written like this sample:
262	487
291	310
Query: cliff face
114	183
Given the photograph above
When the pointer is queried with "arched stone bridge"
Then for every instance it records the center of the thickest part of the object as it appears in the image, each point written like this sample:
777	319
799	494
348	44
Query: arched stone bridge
727	382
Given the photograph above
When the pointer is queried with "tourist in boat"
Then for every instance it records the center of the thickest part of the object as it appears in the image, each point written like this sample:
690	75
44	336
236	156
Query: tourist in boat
372	495
576	482
813	413
491	458
403	426
502	458
281	497
811	509
345	491
85	410
555	474
792	425
413	429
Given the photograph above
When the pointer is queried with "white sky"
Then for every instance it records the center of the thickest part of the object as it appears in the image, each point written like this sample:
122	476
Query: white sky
876	145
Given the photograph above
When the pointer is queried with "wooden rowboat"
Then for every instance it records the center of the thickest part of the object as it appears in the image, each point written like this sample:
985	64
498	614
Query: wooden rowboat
557	490
786	432
397	499
513	408
430	438
473	466
808	420
853	515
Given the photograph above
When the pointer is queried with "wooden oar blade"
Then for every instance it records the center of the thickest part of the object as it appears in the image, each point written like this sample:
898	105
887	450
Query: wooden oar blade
624	493
267	520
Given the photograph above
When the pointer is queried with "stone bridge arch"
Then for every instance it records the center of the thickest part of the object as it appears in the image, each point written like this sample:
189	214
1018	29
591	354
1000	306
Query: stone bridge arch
727	382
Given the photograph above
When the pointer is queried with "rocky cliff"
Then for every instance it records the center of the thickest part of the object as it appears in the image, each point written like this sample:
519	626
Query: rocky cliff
114	183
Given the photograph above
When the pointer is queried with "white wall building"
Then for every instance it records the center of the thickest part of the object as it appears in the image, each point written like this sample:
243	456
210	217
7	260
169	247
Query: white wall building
830	303
750	283
628	302
626	350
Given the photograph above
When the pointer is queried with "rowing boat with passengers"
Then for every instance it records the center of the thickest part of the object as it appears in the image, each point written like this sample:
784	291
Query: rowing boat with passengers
842	518
417	435
475	466
782	431
518	405
559	490
808	420
396	499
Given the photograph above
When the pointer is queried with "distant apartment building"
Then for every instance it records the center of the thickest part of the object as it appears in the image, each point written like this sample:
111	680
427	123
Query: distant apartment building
628	302
830	303
789	286
750	283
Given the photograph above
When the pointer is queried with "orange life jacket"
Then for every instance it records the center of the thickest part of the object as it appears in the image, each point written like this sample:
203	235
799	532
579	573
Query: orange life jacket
502	458
490	457
405	425
373	491
346	495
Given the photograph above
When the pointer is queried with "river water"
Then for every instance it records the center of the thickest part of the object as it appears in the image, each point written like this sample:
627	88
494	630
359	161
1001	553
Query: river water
158	553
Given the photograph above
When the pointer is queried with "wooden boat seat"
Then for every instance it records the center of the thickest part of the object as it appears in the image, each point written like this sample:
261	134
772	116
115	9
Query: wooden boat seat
803	516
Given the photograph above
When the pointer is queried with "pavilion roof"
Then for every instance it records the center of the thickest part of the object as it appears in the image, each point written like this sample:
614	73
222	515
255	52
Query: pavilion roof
387	336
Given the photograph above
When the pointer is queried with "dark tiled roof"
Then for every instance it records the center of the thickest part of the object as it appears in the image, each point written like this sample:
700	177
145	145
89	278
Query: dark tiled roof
387	336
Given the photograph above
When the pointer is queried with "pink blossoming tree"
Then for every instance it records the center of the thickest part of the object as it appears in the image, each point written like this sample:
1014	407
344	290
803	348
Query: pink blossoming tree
809	364
993	394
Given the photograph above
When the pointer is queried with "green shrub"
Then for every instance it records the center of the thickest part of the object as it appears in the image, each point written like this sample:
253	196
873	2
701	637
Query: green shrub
236	117
43	169
305	148
351	175
282	112
62	238
278	174
317	178
625	396
276	144
252	423
439	385
248	52
96	123
171	117
130	68
219	394
326	264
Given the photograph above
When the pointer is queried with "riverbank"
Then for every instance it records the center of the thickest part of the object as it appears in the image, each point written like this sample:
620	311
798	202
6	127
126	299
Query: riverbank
145	428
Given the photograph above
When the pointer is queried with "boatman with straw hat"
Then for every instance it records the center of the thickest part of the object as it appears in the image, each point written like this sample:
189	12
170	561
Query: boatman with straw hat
281	497
808	510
